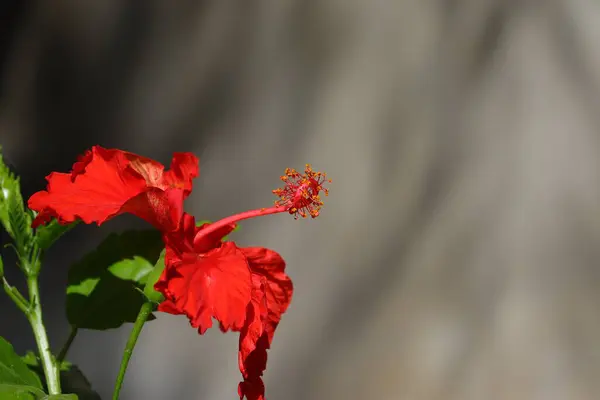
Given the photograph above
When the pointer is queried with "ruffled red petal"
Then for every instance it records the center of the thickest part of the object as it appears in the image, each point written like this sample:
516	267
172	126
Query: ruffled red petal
184	168
106	182
278	285
271	296
161	208
244	289
216	285
94	196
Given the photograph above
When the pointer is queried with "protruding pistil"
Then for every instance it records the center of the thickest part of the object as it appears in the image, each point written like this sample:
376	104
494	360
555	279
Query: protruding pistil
299	197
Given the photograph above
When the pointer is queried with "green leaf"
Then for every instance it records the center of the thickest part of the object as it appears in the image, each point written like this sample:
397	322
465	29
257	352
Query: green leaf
60	397
72	380
20	392
13	370
153	276
104	288
30	359
46	235
13	214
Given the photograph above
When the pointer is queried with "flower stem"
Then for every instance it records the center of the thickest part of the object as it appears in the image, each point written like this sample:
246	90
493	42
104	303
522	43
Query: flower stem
65	349
133	337
238	217
34	315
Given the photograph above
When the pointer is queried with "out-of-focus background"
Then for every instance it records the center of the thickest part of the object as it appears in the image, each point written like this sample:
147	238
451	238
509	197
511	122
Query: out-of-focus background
458	255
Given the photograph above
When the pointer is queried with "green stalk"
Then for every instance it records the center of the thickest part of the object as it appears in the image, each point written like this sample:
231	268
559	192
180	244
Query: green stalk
133	337
34	315
32	309
65	349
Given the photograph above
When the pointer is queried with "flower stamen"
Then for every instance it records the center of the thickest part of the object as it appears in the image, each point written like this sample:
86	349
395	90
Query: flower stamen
299	197
301	193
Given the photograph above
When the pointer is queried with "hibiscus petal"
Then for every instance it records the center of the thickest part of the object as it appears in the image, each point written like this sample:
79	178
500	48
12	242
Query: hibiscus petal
161	208
167	306
81	163
212	285
180	241
152	171
278	285
163	282
252	360
253	389
106	182
271	296
184	168
94	196
115	156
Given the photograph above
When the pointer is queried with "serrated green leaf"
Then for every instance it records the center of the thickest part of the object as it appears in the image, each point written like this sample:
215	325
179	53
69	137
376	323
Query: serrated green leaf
20	222
153	276
20	392
13	370
104	288
13	214
46	235
6	180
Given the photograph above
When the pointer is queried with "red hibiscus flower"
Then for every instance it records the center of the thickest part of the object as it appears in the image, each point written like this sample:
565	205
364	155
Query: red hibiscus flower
107	182
244	289
205	278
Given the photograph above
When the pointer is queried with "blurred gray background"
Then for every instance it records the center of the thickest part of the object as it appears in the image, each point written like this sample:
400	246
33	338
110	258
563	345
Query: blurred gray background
457	257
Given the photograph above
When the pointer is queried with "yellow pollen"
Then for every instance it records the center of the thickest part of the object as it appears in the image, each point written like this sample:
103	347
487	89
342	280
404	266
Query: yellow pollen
301	193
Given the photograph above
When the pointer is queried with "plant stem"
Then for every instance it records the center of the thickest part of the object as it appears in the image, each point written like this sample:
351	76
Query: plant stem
15	296
133	337
65	349
34	315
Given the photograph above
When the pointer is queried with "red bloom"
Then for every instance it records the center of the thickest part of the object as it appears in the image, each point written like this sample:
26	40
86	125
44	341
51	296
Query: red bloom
107	182
244	289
